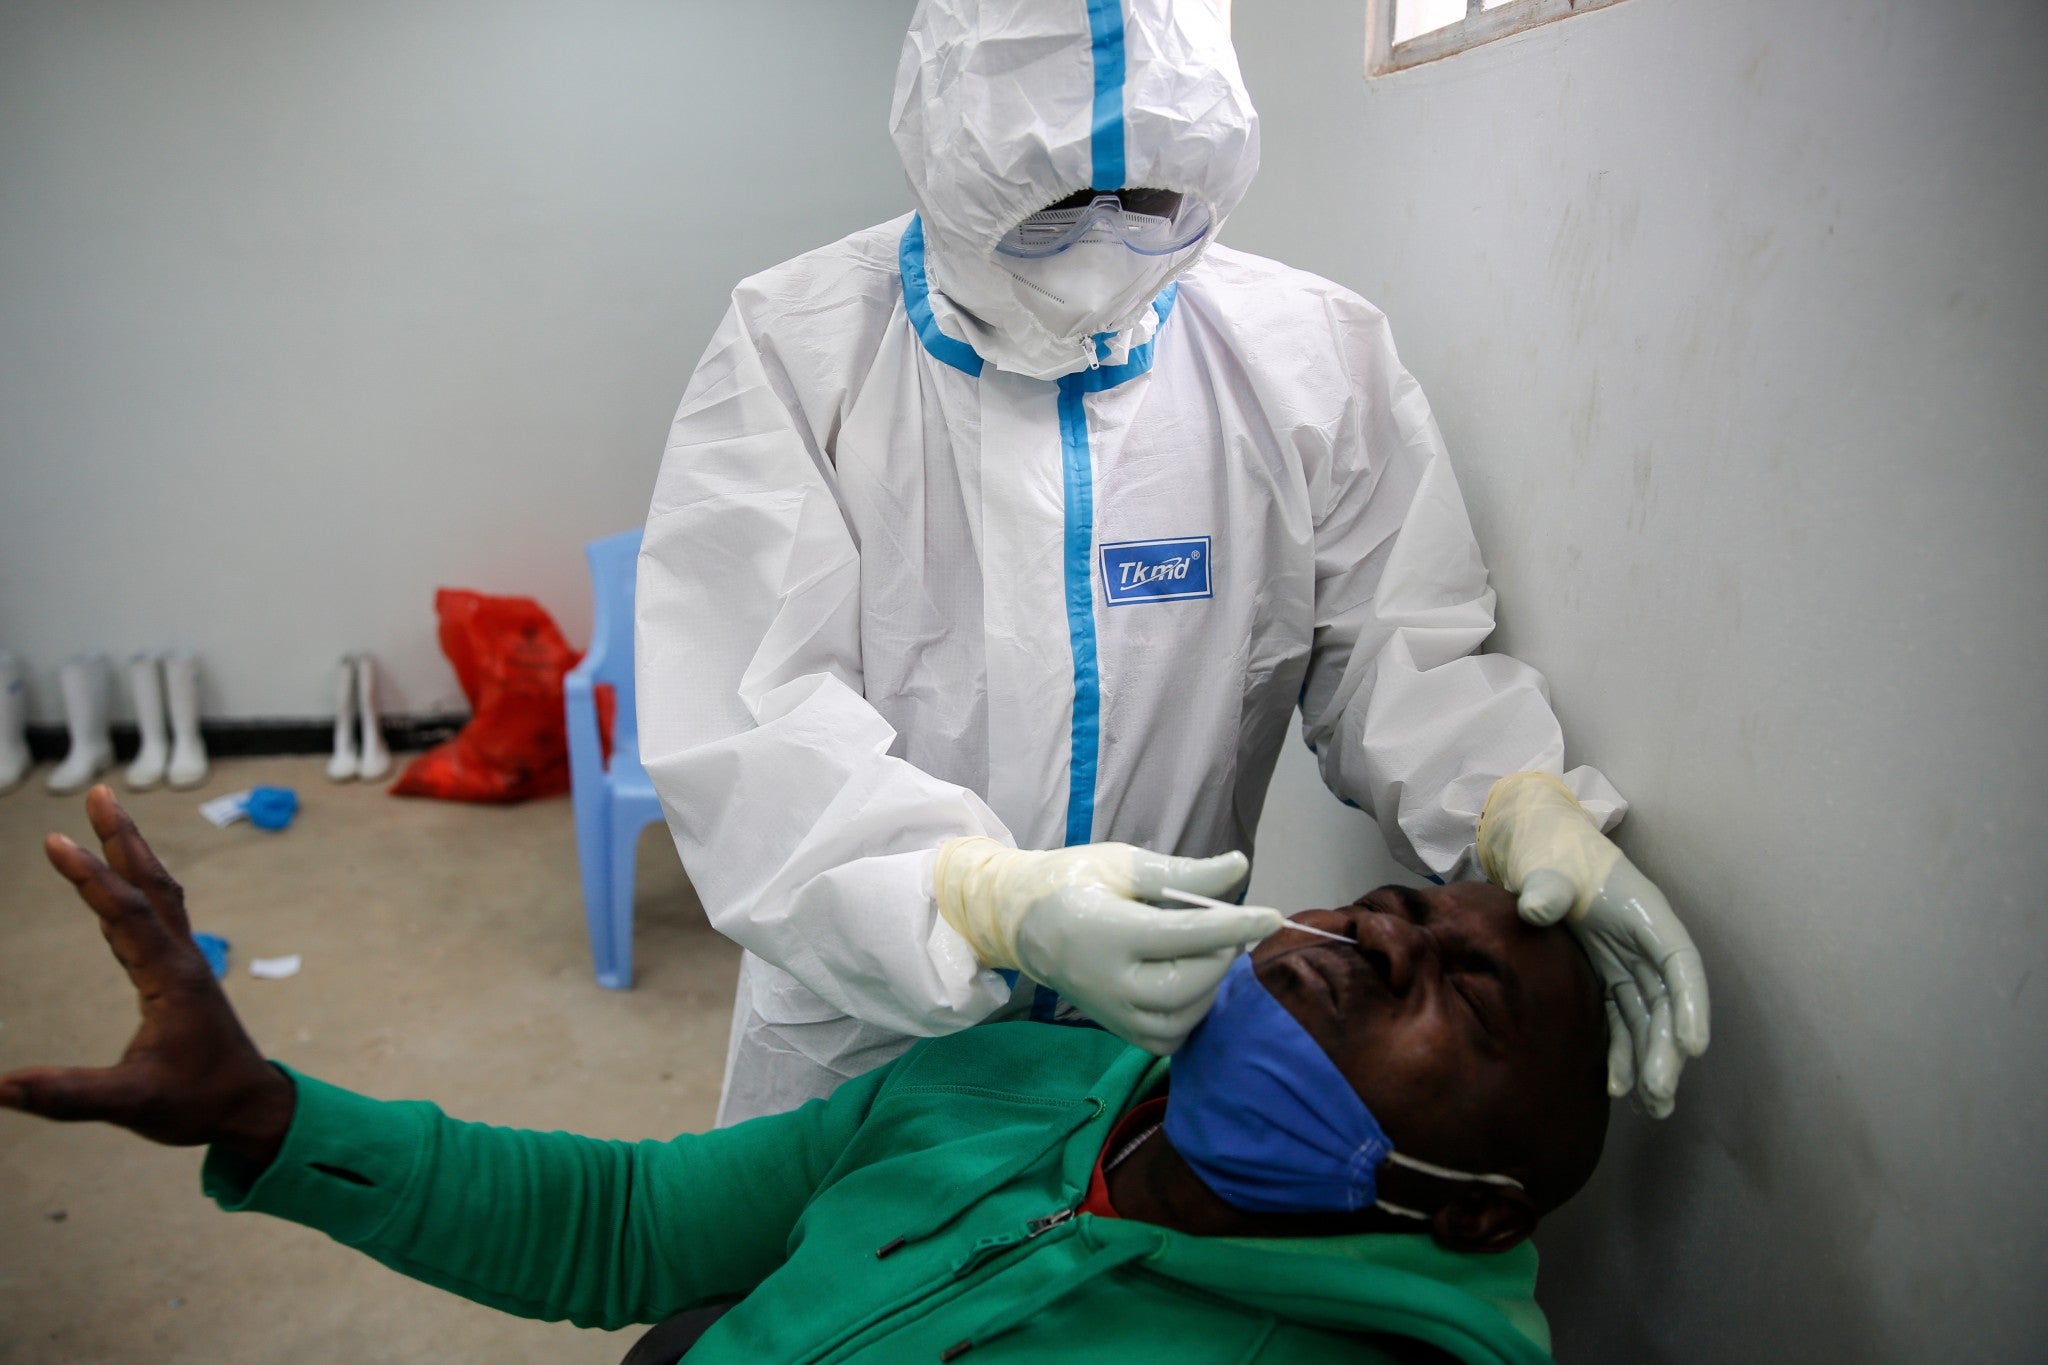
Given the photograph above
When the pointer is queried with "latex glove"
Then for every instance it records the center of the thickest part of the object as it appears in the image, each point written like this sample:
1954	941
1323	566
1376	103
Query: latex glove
1537	841
1075	919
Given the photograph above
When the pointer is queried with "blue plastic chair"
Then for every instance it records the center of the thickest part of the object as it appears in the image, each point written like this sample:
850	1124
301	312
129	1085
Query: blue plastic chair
613	805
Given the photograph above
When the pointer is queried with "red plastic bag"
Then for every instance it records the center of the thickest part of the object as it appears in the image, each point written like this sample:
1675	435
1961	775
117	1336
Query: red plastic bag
510	658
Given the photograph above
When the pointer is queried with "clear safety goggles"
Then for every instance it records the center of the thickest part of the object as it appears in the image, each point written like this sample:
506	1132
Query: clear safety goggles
1149	222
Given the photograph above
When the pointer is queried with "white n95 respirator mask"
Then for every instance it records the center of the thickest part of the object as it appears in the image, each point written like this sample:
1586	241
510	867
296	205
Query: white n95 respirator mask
1090	287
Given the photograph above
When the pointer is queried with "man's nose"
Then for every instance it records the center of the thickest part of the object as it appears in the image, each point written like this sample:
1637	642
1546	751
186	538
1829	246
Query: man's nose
1396	947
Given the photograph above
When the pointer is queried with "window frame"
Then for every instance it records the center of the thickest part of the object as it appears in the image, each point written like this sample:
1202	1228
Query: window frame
1383	55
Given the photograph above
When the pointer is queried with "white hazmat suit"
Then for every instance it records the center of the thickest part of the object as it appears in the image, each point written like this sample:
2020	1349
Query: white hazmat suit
918	567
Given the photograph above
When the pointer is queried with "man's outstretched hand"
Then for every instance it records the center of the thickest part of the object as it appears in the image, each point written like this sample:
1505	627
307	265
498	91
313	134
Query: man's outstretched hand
190	1075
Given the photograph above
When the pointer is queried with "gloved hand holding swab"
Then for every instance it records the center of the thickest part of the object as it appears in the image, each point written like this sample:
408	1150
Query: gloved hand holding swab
1085	921
1191	898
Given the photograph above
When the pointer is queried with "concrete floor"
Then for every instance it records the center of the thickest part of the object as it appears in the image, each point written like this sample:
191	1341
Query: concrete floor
444	960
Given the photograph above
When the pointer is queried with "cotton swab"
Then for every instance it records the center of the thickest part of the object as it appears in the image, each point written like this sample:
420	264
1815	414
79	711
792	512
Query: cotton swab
1192	899
1298	927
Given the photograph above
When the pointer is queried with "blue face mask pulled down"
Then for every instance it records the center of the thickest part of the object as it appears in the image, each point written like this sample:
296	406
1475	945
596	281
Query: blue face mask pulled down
1269	1123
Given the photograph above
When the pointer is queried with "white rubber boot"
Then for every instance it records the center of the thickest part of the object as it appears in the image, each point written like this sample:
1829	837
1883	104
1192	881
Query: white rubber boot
188	749
146	682
346	763
376	759
14	759
84	683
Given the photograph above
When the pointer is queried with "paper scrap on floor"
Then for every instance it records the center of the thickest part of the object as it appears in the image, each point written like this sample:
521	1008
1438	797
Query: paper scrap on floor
225	810
274	968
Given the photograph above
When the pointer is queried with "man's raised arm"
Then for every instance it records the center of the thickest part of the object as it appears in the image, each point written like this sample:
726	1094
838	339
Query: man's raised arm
190	1076
545	1225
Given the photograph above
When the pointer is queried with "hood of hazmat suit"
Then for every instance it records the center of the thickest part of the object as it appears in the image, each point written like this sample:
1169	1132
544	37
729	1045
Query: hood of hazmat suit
1004	107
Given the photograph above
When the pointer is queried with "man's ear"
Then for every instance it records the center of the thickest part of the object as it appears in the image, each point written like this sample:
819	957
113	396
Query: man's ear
1484	1218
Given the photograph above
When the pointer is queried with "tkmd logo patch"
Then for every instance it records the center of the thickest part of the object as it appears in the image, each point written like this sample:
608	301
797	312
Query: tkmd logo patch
1156	570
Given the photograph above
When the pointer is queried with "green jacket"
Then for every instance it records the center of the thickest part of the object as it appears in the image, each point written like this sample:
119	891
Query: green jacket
923	1206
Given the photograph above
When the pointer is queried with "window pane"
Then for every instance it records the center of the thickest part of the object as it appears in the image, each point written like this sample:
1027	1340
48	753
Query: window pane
1412	17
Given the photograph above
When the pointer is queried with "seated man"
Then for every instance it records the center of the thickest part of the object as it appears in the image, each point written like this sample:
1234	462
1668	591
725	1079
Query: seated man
1011	1192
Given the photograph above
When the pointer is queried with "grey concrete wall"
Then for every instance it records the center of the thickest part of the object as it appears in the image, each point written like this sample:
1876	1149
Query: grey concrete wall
1732	313
308	308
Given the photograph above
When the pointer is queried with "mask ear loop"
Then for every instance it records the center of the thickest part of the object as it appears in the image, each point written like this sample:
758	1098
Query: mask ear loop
1442	1173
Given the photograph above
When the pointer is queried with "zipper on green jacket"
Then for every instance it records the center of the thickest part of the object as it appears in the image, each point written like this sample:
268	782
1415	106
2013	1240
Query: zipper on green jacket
1090	1109
994	1246
933	1294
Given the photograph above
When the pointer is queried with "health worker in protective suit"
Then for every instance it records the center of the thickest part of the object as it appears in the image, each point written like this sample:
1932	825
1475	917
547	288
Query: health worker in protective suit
995	547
